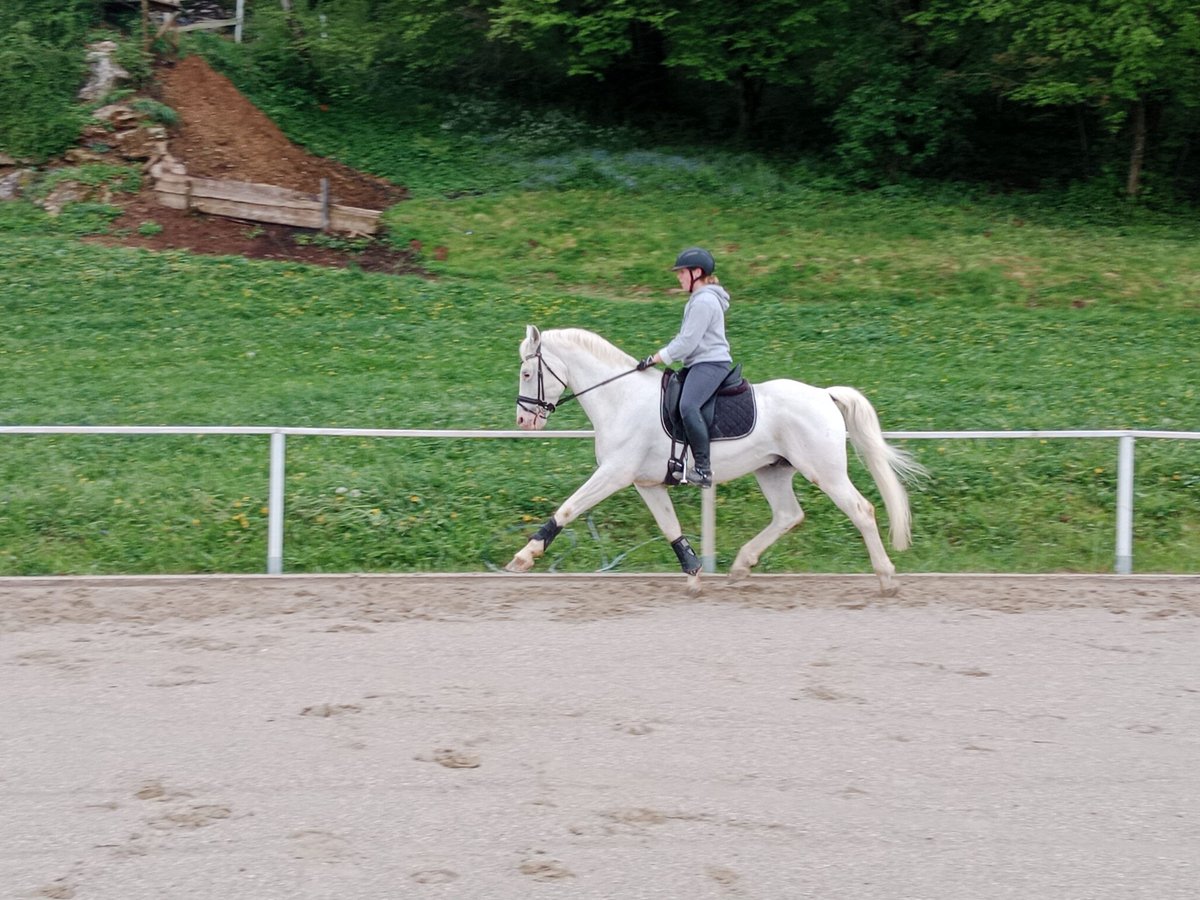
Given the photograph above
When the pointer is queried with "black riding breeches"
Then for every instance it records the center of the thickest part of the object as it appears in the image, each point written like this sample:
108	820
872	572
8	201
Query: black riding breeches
701	383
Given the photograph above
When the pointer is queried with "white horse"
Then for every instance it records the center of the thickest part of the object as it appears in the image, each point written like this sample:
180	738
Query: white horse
799	428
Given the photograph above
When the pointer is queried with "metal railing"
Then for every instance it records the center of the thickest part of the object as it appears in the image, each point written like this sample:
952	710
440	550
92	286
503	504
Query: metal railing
1123	563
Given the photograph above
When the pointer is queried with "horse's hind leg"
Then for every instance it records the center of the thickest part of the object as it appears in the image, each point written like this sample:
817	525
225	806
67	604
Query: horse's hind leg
775	481
848	499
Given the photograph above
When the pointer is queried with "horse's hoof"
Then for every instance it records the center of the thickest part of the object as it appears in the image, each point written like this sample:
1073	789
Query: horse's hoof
518	566
693	587
739	574
892	590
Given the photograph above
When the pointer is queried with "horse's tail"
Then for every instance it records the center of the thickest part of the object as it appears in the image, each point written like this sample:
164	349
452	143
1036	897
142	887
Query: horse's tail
887	464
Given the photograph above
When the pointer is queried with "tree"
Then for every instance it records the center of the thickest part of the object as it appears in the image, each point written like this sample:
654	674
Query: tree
41	68
750	46
592	33
893	106
1116	56
57	23
746	46
430	37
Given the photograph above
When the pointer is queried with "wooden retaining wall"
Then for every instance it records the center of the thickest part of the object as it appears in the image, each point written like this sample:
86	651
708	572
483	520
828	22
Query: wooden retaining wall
259	202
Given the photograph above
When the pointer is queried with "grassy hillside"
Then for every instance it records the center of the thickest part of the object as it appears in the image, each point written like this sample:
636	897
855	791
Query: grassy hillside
951	311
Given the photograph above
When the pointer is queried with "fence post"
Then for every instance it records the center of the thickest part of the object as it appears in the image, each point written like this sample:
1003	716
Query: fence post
324	204
1125	505
241	16
708	529
275	505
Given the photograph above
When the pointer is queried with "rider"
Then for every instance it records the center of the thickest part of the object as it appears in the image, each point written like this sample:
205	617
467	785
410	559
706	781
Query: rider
702	347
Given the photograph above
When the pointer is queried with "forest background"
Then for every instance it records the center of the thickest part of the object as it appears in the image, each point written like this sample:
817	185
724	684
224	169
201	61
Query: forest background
1015	93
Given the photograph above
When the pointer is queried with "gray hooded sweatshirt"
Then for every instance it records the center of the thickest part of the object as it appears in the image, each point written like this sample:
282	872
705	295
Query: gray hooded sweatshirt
701	337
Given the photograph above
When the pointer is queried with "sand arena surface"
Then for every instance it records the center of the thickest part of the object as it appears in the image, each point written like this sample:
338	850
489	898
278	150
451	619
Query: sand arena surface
506	737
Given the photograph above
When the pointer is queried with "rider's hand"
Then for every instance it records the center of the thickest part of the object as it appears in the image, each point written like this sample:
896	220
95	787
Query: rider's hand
646	363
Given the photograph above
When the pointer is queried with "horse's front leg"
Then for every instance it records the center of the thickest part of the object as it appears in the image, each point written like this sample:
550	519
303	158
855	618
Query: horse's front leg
604	483
658	500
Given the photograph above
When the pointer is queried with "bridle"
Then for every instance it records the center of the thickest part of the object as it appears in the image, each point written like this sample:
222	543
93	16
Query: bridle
539	405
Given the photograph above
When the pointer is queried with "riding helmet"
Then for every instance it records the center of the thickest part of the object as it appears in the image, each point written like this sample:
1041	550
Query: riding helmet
695	258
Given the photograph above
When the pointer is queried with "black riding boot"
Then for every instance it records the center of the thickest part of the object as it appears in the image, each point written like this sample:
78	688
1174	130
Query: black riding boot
700	474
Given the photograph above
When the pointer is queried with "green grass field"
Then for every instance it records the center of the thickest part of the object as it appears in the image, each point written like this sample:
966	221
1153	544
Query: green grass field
949	309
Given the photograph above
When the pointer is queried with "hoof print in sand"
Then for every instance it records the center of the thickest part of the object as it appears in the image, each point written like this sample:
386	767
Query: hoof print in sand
57	891
451	759
545	869
325	710
191	818
155	790
722	876
434	876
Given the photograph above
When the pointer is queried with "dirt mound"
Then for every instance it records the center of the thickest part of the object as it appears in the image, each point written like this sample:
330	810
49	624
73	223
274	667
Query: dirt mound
221	134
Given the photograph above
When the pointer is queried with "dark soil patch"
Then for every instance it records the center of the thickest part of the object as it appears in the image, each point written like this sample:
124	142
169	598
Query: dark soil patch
221	134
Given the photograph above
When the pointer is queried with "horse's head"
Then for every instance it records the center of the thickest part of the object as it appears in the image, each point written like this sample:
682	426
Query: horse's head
541	383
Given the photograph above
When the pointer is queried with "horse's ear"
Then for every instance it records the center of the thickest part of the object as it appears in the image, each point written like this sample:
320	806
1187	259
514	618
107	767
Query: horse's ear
533	336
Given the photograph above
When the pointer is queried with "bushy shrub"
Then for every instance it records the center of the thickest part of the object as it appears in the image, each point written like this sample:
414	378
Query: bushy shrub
158	112
38	114
121	179
55	23
133	58
86	218
894	125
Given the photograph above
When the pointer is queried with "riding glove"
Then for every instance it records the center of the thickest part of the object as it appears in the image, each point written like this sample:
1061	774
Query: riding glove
646	363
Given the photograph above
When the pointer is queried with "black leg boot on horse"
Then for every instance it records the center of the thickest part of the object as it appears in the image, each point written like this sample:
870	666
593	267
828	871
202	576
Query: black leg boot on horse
701	383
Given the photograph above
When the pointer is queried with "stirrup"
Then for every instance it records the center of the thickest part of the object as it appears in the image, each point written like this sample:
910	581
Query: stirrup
700	476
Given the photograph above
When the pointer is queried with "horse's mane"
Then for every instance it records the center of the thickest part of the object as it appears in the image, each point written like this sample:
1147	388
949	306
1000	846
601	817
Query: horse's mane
588	341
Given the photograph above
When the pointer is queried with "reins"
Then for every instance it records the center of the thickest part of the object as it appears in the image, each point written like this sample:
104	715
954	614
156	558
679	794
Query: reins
540	400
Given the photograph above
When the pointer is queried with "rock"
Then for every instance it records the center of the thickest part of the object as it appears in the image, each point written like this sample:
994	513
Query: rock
105	73
79	156
13	184
128	133
118	114
106	113
136	144
168	165
63	193
67	192
94	133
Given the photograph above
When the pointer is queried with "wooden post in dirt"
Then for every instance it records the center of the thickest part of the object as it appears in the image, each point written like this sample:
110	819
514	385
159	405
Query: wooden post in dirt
145	26
324	204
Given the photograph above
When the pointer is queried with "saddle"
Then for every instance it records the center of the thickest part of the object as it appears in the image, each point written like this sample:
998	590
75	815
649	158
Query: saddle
730	413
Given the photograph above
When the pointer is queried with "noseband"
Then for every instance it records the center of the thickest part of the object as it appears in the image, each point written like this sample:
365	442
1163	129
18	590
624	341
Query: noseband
539	405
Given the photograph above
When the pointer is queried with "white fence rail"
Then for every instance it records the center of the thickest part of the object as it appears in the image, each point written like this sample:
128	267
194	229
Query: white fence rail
1123	563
